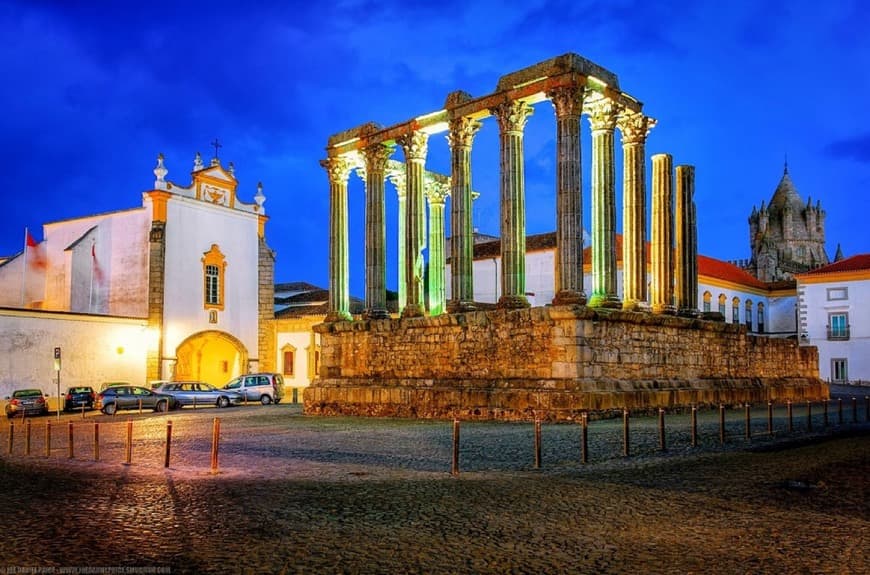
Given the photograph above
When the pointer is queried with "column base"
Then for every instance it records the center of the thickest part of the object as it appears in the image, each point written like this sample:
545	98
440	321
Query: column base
338	315
688	312
609	301
377	314
513	302
412	311
455	306
570	297
664	309
636	305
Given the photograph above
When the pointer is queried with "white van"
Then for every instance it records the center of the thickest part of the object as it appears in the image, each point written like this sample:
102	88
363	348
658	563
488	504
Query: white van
263	387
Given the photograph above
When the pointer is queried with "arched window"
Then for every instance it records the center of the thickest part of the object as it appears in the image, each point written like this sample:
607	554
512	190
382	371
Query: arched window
749	314
722	300
213	271
708	298
735	310
760	317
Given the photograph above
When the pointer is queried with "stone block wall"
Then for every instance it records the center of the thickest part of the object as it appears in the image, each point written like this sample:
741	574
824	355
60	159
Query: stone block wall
550	361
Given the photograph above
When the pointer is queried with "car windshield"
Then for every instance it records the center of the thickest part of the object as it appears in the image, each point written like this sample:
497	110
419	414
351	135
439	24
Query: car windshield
27	393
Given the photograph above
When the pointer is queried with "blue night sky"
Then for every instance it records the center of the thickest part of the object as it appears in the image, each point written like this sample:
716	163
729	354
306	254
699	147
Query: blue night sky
94	90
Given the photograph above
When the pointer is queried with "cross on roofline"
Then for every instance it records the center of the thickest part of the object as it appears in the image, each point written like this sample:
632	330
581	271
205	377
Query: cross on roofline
216	145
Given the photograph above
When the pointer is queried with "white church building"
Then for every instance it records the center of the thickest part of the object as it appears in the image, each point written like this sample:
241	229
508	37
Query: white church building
177	288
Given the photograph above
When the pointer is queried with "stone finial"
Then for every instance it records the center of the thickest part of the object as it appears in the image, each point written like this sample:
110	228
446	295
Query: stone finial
215	162
197	162
259	197
231	168
160	172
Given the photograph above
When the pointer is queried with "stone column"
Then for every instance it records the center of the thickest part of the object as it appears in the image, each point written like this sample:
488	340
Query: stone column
414	145
376	157
462	131
568	103
436	193
634	128
685	252
338	170
602	119
661	253
512	117
397	176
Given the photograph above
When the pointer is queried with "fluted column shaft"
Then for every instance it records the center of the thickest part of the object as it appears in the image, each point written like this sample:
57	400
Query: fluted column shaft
414	145
376	157
685	254
634	128
568	104
398	178
662	297
338	170
602	118
436	193
462	131
512	117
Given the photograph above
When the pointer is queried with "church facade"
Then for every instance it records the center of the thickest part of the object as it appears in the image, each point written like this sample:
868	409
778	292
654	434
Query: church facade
188	274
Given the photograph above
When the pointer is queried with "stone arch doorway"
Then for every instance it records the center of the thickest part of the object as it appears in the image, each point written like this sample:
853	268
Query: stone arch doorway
211	356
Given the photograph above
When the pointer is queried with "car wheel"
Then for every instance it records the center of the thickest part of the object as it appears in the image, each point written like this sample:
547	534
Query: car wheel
223	401
162	406
110	409
265	399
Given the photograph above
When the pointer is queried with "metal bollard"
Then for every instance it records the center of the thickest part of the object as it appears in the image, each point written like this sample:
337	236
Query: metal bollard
537	443
215	439
721	423
747	409
83	411
770	418
825	413
584	438
27	438
694	426
47	438
96	441
69	440
662	445
11	437
128	449
840	410
809	415
788	416
140	407
454	468
168	443
854	410
625	441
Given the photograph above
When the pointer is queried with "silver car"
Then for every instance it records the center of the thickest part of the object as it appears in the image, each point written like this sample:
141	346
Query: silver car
198	393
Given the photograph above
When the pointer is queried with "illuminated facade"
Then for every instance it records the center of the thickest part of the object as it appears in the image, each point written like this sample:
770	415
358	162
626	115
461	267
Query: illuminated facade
190	268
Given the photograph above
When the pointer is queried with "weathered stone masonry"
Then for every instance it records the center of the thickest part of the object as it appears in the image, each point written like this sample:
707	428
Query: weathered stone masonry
553	362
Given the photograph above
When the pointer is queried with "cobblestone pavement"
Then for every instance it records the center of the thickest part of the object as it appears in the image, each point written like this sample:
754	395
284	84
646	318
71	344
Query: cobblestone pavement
342	495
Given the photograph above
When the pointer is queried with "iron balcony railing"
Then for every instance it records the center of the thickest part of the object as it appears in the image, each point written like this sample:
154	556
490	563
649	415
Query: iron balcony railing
838	333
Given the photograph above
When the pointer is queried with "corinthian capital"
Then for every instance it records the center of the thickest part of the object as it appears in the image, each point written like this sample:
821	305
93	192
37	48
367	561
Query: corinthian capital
397	177
567	101
436	192
462	132
512	115
414	144
376	157
634	126
602	114
338	168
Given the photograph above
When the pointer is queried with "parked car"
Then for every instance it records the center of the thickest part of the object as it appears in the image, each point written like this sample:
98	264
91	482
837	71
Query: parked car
118	397
263	387
198	393
107	384
26	401
78	397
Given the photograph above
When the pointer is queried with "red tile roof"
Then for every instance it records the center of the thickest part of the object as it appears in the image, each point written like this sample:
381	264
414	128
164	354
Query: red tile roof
851	264
713	268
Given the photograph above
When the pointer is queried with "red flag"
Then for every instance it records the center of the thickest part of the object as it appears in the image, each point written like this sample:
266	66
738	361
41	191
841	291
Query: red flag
98	273
35	257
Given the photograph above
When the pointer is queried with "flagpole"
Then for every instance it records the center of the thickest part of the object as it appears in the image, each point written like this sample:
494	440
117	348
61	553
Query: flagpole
24	269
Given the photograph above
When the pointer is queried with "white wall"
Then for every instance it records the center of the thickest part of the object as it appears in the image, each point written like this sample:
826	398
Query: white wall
94	349
191	229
